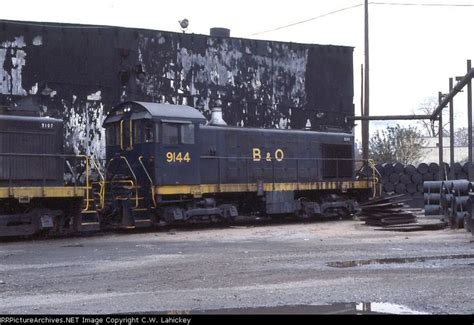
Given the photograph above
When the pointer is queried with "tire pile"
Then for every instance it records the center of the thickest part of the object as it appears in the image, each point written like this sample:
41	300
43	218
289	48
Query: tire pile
453	199
400	179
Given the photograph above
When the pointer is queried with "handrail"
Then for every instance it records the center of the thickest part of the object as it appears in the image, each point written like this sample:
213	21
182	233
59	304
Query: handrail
374	177
72	171
150	179
101	183
87	182
133	175
97	167
130	134
121	135
86	159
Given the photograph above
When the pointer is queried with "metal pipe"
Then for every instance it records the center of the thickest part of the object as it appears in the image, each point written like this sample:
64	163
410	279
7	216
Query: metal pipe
451	130
389	117
457	88
440	140
365	125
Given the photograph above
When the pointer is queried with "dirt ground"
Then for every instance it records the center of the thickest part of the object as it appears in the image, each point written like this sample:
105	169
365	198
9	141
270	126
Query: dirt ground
275	268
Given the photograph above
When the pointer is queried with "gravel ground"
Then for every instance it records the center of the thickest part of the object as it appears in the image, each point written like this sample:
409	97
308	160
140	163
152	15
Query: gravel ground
240	268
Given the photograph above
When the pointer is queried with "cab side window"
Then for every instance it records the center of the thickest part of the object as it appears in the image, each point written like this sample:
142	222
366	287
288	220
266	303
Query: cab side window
187	133
138	135
157	132
148	131
170	133
112	135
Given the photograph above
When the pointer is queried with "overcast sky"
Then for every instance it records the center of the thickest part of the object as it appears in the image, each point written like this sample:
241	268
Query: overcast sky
413	49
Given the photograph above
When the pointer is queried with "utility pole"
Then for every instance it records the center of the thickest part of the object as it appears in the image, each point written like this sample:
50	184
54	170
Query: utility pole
365	124
469	125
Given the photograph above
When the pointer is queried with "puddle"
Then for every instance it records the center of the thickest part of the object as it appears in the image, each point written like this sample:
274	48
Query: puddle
73	245
343	264
329	309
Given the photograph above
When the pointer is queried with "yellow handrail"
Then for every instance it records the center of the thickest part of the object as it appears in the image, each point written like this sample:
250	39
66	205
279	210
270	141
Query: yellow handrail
133	175
101	183
121	135
130	132
375	180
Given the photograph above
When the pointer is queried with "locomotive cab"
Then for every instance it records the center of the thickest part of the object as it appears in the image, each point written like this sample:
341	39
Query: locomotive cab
155	139
149	145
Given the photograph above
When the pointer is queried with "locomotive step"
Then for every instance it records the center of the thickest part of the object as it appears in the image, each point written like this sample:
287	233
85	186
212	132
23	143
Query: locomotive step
143	223
90	226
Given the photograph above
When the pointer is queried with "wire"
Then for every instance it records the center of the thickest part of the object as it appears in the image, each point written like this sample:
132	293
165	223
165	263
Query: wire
422	4
308	20
361	4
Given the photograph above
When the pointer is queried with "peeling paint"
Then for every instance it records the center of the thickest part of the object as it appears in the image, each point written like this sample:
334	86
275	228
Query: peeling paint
12	60
38	40
257	83
83	131
19	42
34	89
95	96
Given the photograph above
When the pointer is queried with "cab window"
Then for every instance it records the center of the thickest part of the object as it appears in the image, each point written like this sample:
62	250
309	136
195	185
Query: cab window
112	135
170	133
144	131
187	133
148	131
138	134
157	132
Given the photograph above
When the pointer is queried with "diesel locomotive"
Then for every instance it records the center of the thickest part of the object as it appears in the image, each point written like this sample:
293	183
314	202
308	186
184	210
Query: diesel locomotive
167	164
33	197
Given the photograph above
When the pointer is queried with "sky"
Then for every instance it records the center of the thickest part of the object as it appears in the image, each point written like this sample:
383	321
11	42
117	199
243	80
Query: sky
413	49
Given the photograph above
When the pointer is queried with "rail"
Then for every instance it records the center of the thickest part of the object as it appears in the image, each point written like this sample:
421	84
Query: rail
101	182
134	184
152	186
22	176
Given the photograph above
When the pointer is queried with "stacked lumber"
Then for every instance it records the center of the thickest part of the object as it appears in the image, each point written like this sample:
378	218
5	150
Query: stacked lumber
387	211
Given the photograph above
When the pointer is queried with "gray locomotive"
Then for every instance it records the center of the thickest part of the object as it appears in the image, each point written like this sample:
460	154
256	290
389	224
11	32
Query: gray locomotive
33	197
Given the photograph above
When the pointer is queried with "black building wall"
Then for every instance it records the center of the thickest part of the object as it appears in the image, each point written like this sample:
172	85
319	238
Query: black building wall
78	72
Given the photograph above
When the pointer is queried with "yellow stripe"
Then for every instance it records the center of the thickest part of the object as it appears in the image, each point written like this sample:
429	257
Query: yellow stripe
38	192
198	190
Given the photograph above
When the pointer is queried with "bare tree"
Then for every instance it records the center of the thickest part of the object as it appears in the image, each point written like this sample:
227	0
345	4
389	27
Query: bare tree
460	137
396	144
430	127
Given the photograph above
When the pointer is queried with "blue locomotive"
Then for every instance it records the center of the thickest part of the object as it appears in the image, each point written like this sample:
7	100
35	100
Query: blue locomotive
167	163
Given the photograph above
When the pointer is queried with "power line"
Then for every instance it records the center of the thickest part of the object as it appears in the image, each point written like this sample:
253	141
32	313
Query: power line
308	20
422	4
359	5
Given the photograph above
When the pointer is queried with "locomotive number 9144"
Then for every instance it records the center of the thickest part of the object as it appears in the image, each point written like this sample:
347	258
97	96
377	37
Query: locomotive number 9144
179	157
